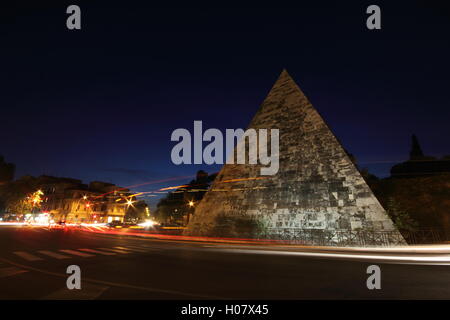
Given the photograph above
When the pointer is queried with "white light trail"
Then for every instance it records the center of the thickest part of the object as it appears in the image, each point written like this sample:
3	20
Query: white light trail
376	256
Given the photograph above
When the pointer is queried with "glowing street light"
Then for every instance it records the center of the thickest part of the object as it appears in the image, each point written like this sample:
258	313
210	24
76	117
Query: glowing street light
191	203
36	198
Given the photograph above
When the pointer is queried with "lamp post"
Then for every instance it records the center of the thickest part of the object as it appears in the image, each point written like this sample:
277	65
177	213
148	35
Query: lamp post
191	205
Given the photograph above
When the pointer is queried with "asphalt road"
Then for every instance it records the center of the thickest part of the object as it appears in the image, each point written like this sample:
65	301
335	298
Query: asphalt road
33	263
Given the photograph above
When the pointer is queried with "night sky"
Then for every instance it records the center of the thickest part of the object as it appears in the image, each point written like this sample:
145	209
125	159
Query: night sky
101	103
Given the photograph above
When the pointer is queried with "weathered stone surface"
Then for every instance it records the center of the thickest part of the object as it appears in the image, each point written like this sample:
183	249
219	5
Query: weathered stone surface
317	186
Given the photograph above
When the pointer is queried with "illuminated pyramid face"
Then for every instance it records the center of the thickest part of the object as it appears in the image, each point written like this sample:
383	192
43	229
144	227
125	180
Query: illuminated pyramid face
317	187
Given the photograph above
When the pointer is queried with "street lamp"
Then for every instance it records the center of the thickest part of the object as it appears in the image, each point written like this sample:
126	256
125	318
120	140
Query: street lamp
191	204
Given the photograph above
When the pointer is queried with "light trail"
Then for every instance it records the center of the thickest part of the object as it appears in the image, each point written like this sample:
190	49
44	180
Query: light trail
12	223
143	184
418	255
200	184
242	179
396	259
175	187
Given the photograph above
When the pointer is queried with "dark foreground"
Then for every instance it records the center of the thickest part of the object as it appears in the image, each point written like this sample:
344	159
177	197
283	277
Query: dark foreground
33	265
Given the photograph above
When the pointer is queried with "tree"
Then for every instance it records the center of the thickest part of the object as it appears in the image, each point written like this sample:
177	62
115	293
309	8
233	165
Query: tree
7	171
13	195
19	206
181	202
416	152
400	217
170	207
136	212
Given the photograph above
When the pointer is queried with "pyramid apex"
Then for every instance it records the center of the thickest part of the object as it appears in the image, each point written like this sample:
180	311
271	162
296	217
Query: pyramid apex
285	73
285	76
285	79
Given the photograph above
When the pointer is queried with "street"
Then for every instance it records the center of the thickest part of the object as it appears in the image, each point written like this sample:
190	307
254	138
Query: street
33	263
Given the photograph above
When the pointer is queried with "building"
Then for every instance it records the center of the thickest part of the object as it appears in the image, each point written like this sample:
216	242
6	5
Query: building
72	201
317	196
420	165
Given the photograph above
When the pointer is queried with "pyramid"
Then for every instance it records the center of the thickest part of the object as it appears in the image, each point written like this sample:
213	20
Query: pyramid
317	195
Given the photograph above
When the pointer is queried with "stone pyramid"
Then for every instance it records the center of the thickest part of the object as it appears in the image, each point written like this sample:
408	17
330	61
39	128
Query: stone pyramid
317	194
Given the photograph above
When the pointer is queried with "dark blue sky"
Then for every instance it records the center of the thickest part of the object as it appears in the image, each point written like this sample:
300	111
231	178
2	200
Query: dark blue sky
101	103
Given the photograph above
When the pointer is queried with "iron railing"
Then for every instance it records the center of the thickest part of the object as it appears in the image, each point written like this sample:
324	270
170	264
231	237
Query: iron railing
355	238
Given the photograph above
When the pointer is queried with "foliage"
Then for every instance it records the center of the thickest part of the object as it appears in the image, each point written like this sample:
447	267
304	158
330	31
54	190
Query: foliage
19	206
136	212
400	217
175	205
13	195
425	199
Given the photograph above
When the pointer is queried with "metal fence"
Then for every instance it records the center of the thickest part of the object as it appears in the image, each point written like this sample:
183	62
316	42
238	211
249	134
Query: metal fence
427	236
357	238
